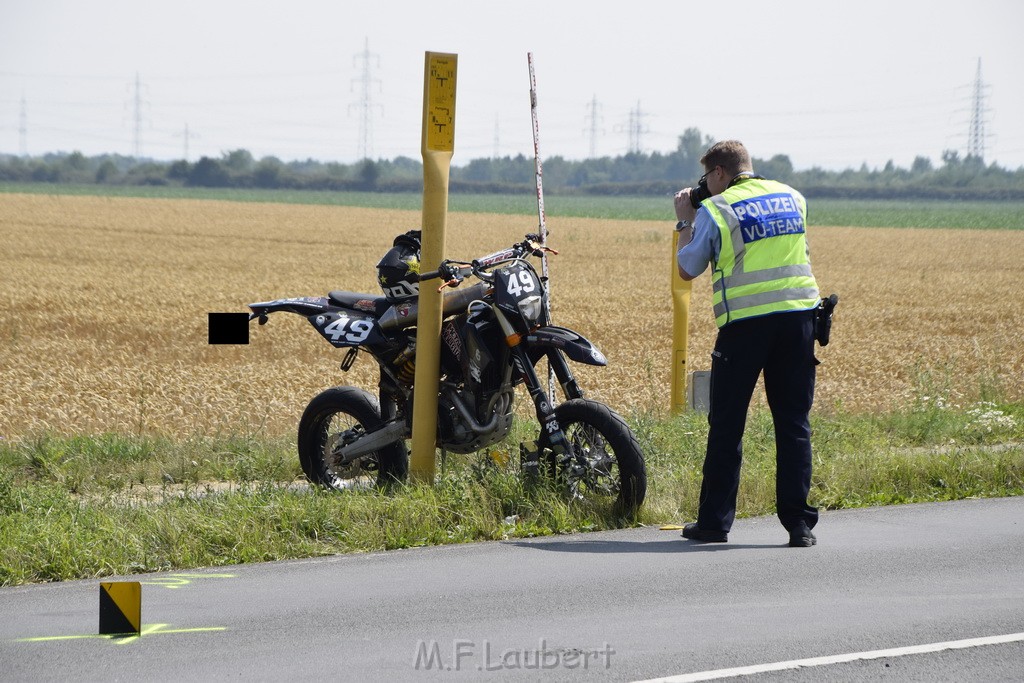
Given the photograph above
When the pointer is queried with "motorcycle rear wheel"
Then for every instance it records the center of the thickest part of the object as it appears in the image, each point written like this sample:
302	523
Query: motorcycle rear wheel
334	418
614	461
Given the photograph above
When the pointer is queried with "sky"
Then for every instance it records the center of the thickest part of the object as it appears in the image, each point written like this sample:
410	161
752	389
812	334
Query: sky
833	85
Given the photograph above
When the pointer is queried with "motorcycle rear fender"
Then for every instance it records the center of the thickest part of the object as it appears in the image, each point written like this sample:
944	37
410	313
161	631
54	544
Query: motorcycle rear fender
303	305
340	326
575	346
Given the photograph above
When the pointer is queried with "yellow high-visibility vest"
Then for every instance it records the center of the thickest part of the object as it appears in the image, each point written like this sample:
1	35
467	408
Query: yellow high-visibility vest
764	265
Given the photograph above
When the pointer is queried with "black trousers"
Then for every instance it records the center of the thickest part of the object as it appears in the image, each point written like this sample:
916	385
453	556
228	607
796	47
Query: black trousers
782	346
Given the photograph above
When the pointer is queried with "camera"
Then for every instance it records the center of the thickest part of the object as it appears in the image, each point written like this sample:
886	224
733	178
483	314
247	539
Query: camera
699	193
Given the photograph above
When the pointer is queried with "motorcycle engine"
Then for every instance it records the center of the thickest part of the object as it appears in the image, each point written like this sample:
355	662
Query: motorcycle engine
460	432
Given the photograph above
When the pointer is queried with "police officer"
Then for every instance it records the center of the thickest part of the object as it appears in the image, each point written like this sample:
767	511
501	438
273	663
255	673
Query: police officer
753	233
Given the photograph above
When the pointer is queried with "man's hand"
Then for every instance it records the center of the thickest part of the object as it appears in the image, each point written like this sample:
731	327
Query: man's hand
684	210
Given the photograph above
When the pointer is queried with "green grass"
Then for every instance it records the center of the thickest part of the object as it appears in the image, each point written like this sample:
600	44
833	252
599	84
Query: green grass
92	506
972	215
871	213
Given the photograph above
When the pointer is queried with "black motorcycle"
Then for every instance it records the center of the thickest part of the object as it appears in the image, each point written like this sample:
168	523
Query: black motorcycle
493	335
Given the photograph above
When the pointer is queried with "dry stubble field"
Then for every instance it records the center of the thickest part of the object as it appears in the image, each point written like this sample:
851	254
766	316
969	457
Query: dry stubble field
104	302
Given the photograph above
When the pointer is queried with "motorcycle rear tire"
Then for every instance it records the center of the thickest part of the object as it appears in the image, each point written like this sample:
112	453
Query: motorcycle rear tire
578	416
362	408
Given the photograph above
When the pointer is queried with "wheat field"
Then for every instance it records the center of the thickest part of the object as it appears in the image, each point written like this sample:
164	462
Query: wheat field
104	302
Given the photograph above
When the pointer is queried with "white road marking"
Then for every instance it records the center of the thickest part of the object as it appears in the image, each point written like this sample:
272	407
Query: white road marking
839	659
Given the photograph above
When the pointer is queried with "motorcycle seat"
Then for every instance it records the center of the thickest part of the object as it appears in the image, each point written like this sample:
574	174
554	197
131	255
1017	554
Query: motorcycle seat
370	303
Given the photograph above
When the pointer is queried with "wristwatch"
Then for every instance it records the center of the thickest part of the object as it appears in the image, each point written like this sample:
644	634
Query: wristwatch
682	225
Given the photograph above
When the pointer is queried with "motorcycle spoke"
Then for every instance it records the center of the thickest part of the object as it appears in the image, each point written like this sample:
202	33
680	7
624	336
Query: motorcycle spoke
341	431
594	464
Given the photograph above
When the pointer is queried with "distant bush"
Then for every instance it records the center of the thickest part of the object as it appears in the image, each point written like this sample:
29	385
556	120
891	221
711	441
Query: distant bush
633	174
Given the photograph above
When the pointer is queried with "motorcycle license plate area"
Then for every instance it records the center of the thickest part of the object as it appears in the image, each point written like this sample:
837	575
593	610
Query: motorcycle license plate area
346	329
519	293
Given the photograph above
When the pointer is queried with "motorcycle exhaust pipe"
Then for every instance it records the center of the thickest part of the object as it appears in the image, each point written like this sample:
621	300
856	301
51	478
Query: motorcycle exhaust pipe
401	316
477	428
372	441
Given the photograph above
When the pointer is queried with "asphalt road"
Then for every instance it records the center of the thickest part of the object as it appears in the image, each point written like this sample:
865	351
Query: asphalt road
623	605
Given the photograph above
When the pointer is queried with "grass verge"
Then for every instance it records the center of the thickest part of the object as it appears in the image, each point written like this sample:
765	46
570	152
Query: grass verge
85	507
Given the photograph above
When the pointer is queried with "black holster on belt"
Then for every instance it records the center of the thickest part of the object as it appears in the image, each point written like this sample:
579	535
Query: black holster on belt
823	318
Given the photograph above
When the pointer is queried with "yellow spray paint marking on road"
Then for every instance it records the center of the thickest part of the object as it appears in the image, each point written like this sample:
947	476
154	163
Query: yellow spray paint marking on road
122	639
162	628
179	580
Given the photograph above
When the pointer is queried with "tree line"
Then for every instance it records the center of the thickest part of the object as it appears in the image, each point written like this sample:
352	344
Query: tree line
656	173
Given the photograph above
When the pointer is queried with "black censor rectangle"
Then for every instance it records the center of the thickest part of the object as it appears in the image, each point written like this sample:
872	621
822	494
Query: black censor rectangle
229	328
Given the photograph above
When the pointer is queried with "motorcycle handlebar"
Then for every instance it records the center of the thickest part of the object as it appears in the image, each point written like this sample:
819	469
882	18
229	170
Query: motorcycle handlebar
453	272
447	271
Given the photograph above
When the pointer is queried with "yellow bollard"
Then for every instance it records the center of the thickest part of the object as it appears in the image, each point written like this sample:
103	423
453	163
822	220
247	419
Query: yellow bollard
680	332
438	146
120	608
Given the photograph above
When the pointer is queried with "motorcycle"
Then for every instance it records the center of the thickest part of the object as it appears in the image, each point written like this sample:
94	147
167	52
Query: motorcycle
493	334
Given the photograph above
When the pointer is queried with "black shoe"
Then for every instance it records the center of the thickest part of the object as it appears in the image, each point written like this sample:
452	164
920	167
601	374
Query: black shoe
694	533
801	537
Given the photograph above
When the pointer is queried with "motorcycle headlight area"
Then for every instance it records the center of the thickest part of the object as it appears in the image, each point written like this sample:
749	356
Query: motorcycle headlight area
531	308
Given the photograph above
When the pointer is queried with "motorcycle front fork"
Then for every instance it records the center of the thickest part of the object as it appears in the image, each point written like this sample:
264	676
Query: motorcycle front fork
552	438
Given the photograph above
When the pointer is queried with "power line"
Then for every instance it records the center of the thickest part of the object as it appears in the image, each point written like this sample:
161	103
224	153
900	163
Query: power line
366	105
187	135
23	128
976	131
137	139
137	103
594	116
497	136
635	130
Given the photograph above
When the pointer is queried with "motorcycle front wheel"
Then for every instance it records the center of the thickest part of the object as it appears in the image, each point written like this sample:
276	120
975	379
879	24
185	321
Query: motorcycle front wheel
608	461
336	418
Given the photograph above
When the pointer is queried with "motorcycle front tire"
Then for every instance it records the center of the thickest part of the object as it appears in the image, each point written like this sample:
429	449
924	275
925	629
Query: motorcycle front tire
355	408
594	429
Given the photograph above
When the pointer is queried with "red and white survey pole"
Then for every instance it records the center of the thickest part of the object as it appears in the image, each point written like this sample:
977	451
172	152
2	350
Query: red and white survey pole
542	223
538	166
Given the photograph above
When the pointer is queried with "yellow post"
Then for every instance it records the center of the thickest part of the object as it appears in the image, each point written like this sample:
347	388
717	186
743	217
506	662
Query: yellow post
120	608
680	332
438	146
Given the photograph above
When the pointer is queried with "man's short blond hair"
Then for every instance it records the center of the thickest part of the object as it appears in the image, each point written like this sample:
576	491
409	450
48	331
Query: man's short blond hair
731	155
